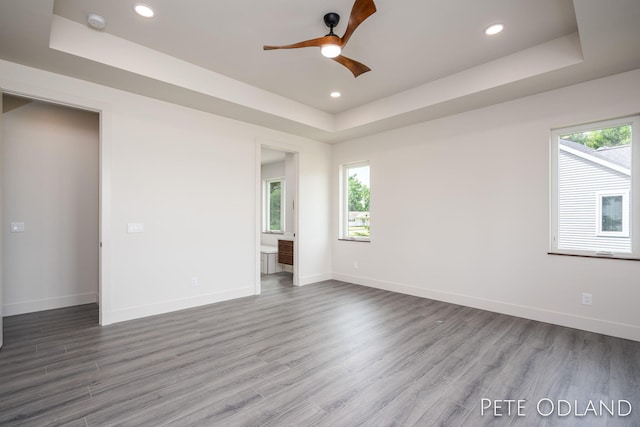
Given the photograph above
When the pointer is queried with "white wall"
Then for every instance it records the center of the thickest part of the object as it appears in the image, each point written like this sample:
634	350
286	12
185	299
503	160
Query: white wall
314	200
460	212
50	173
190	177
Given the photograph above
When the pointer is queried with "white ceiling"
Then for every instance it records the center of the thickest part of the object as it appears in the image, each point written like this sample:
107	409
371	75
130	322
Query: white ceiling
429	58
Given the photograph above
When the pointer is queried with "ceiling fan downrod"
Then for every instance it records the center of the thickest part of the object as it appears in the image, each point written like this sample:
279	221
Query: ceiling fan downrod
331	20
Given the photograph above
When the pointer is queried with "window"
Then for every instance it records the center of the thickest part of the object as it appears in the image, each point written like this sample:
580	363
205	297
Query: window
355	217
613	213
595	189
274	205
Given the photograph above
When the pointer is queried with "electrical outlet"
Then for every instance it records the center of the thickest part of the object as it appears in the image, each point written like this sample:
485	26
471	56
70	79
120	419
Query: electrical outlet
17	227
194	282
355	264
587	298
135	227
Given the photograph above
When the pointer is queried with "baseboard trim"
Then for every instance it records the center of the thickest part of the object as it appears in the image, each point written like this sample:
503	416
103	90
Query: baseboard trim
621	330
314	278
23	307
138	312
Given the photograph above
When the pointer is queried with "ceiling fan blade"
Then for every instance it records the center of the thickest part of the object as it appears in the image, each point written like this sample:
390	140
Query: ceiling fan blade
354	66
307	43
362	9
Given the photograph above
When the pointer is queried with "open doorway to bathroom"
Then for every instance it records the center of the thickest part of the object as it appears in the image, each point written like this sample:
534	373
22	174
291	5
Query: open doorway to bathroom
279	188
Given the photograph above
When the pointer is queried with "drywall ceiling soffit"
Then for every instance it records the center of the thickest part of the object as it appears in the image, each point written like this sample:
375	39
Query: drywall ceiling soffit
446	65
270	155
10	103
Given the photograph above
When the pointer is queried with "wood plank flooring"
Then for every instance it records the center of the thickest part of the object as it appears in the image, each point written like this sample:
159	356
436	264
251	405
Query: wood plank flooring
328	354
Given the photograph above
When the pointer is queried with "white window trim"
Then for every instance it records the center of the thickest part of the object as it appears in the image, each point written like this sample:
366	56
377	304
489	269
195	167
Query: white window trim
634	220
625	213
344	202
266	205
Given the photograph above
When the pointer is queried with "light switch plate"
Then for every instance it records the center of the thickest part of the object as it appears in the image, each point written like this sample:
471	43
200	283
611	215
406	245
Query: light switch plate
135	227
17	227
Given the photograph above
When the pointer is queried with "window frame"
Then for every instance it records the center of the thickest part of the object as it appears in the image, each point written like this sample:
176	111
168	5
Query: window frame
344	201
633	198
266	206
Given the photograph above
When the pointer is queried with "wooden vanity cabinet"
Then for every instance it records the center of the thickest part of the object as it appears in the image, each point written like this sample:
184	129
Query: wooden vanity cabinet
285	252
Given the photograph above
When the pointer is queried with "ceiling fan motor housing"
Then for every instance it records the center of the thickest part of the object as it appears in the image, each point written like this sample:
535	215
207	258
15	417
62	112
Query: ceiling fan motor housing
331	20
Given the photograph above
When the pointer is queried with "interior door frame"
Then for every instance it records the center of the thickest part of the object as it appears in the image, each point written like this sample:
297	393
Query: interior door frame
1	225
104	186
286	148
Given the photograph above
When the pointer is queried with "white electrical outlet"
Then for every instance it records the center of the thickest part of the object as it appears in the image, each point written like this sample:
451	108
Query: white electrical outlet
135	227
587	299
355	264
17	227
194	282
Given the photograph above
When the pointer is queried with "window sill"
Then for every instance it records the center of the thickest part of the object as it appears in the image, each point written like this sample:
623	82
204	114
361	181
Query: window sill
594	256
273	232
342	239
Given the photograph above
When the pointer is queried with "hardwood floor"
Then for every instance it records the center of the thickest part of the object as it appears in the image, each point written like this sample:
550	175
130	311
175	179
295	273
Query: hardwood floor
271	282
328	354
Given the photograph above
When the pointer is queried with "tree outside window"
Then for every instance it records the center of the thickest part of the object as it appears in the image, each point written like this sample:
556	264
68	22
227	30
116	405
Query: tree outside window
358	195
274	206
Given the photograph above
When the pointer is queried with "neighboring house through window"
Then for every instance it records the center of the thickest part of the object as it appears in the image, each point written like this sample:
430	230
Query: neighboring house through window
592	191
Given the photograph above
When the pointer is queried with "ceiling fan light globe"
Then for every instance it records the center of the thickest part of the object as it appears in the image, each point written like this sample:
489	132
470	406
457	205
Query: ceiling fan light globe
330	50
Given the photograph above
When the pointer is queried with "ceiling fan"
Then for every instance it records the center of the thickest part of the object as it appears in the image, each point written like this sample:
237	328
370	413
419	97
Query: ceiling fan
331	45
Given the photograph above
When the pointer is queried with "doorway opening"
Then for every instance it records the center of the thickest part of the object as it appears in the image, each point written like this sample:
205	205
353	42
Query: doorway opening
50	207
278	219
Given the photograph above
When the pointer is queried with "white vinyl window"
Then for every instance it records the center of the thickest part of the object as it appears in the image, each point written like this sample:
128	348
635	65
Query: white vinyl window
273	206
613	213
595	189
356	196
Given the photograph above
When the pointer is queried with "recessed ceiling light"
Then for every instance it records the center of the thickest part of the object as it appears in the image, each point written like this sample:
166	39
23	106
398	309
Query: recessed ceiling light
143	10
335	94
494	29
